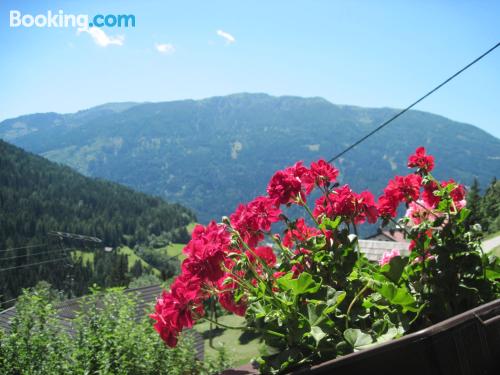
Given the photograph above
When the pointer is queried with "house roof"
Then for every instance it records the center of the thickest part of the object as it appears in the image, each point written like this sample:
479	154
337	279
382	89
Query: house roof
374	250
396	235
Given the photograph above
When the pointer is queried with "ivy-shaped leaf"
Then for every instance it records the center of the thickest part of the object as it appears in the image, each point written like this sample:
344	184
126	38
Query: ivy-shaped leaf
301	285
318	334
357	338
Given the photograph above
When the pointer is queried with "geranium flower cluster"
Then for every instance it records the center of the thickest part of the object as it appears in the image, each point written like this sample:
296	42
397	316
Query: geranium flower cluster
227	260
418	189
352	207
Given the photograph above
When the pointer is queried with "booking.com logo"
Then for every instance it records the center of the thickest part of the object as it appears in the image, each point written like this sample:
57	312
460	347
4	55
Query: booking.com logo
60	19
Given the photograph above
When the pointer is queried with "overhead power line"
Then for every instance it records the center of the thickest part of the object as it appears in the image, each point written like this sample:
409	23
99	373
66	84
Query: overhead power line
31	255
60	236
73	236
22	247
387	122
33	264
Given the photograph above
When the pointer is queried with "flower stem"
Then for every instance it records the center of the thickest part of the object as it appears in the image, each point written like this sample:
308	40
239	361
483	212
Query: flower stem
356	297
306	207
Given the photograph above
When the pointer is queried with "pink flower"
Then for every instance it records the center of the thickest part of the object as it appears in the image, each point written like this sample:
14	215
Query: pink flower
388	255
460	204
418	212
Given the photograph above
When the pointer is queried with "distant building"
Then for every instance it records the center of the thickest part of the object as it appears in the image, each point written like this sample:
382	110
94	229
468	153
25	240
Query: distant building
394	235
383	241
374	250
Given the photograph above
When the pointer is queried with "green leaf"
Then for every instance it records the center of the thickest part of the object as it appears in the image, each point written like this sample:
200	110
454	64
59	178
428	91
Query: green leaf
356	338
318	334
394	269
333	299
492	275
397	296
464	213
327	223
391	333
303	284
257	309
314	312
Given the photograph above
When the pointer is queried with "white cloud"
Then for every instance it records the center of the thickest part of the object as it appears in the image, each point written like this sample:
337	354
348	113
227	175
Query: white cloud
228	37
101	38
165	48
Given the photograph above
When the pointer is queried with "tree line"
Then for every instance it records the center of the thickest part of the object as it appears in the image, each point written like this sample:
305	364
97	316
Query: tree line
38	196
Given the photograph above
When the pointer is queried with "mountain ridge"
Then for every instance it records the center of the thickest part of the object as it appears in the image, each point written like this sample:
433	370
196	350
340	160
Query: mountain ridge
213	153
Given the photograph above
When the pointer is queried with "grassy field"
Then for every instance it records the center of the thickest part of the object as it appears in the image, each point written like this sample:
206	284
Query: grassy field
88	256
172	250
175	249
133	257
241	349
496	251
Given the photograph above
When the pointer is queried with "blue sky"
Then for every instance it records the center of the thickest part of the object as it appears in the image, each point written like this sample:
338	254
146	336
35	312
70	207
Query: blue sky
366	53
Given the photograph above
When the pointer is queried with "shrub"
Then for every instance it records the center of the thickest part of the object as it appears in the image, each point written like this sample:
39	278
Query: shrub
108	340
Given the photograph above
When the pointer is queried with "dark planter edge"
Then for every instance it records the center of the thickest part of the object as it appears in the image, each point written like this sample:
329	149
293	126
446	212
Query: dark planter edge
412	337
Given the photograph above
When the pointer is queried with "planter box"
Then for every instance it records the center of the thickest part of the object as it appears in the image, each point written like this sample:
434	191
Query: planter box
467	344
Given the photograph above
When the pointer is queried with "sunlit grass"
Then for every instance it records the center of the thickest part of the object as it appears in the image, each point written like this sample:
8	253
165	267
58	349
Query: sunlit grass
239	353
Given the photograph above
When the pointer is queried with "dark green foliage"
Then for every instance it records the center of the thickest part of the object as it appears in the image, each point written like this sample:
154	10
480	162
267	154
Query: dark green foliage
38	196
490	208
485	210
144	280
212	154
474	204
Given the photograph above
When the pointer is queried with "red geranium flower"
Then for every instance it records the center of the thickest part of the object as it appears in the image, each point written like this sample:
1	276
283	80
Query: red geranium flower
265	253
178	308
206	252
299	232
352	207
254	218
428	196
320	174
227	288
458	193
421	161
286	185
